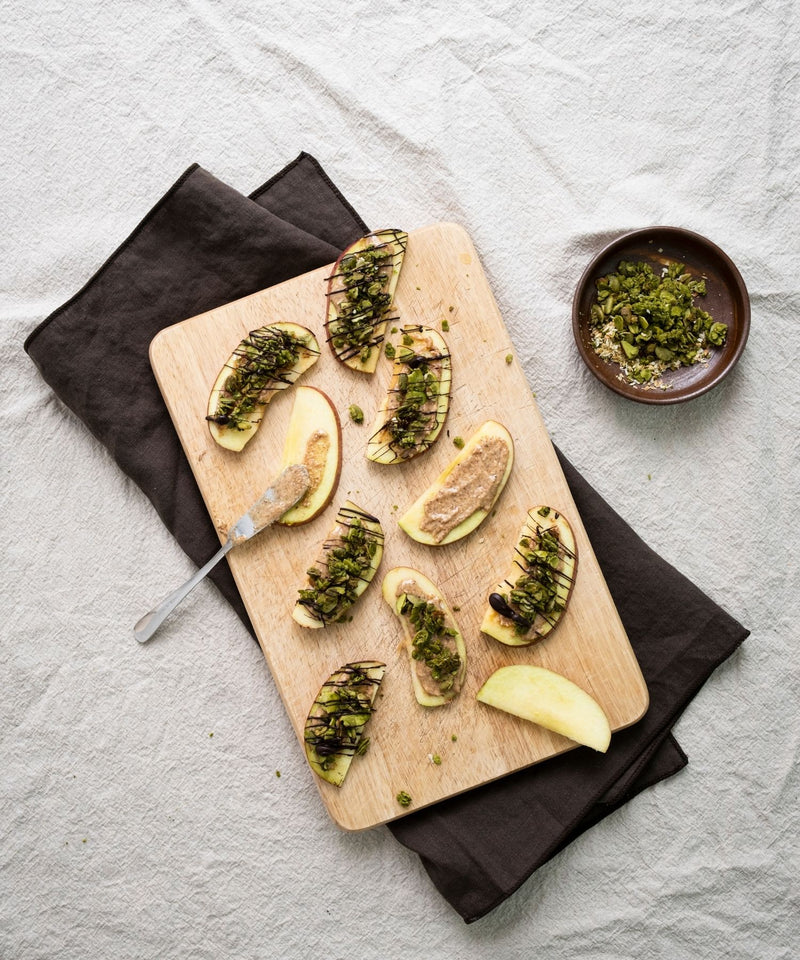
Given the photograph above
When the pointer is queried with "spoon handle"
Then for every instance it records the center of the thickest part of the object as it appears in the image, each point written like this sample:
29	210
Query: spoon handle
150	622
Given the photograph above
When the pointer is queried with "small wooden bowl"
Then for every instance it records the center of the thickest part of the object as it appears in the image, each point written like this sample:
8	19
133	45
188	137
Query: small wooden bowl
726	300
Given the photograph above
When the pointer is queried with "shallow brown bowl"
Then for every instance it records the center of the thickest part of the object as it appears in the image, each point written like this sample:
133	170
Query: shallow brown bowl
726	300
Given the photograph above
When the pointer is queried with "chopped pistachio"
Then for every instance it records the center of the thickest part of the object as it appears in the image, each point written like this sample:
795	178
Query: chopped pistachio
445	325
356	413
263	358
509	358
458	442
649	323
403	799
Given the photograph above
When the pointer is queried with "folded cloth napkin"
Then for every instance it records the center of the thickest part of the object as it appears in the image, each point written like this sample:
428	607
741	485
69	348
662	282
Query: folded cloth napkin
204	244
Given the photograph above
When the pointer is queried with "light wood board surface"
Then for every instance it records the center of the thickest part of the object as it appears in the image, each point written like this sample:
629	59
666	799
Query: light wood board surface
442	279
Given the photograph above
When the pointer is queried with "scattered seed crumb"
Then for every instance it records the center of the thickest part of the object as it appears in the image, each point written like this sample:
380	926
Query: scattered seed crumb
436	759
84	840
395	507
451	308
649	476
509	358
277	773
458	442
456	609
454	738
445	325
211	734
403	799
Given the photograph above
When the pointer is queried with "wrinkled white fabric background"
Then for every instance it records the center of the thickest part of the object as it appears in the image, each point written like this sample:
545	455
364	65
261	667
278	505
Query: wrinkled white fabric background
128	830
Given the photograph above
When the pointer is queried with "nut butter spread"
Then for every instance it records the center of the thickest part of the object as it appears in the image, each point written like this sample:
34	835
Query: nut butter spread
315	460
471	486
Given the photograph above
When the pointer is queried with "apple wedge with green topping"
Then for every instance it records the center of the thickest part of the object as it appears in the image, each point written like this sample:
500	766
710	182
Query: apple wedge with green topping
268	360
334	729
346	564
530	602
314	439
360	297
463	495
436	650
415	407
550	700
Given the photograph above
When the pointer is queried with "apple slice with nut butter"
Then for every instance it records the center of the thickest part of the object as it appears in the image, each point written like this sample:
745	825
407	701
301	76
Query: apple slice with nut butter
435	646
313	438
463	495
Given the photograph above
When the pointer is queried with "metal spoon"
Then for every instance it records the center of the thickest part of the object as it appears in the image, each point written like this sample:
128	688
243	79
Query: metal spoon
284	493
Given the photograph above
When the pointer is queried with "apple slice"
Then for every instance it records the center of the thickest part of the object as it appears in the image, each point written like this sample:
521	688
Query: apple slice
549	699
345	567
465	492
267	360
433	641
360	296
531	601
334	730
413	412
313	438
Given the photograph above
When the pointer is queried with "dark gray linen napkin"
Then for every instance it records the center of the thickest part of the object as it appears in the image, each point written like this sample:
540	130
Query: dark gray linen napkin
204	244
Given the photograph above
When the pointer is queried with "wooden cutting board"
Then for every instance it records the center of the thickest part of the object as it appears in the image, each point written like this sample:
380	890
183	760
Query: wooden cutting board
441	280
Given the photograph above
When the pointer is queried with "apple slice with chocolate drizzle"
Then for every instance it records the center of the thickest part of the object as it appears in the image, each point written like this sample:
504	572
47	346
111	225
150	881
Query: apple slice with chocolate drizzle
414	410
268	360
343	570
531	601
360	297
334	730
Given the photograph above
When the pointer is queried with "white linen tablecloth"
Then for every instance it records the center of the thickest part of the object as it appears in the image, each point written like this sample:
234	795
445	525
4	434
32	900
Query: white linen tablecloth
157	805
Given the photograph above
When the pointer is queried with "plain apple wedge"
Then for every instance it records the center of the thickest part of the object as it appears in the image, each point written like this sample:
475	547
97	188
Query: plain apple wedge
313	438
334	730
531	601
550	700
360	296
414	409
268	360
436	650
344	568
461	498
